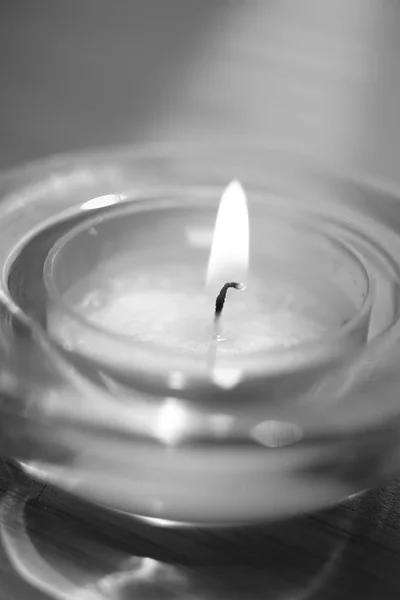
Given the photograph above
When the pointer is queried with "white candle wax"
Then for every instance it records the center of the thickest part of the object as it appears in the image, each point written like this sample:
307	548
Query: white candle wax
167	305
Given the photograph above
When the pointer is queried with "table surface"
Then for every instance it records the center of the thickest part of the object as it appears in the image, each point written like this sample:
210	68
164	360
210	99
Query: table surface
349	551
84	74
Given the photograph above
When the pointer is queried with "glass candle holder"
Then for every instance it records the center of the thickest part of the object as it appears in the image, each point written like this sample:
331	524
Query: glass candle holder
126	290
118	391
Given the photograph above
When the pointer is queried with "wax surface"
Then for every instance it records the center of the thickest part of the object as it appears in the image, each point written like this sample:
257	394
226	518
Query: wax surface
170	307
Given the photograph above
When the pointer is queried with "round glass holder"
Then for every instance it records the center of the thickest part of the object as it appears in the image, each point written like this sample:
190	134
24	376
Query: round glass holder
113	383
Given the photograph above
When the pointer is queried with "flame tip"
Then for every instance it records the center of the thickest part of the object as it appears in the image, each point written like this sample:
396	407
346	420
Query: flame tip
235	183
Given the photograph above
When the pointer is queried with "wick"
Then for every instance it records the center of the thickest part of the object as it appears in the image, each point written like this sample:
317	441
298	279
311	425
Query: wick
220	300
219	305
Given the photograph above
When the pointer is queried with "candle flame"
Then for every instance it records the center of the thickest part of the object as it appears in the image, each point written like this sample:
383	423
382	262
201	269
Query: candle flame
229	256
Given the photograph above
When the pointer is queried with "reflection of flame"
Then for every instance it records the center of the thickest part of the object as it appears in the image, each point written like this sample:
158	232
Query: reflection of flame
162	522
229	257
276	434
171	421
144	574
101	201
147	568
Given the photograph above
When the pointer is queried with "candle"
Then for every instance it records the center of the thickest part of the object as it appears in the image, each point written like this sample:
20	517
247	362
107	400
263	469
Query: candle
151	277
167	304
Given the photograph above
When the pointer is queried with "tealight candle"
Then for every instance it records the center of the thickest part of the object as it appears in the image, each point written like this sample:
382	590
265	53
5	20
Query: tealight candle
136	280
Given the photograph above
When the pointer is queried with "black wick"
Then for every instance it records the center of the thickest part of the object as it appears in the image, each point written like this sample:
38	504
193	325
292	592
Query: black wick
220	300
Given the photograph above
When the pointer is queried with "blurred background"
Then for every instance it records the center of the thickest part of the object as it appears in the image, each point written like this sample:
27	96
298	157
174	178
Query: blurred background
320	75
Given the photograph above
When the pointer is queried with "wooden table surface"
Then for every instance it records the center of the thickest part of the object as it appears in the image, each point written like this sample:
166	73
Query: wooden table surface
77	74
347	552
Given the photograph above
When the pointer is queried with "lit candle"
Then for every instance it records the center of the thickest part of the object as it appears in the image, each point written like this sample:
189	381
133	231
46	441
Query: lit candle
163	301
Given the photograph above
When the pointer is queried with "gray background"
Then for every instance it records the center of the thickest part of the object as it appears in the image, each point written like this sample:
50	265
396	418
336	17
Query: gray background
314	74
